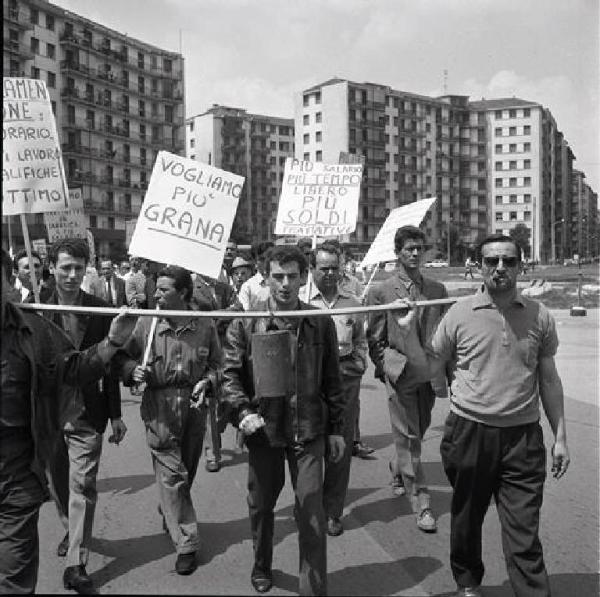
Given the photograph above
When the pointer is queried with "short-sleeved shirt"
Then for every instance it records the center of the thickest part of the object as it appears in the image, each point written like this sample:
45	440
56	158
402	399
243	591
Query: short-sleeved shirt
495	355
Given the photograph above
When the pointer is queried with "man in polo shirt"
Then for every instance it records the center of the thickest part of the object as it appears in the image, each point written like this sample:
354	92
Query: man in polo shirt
352	343
501	346
256	288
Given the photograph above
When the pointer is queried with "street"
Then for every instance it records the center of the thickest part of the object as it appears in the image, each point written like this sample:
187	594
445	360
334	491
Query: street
381	551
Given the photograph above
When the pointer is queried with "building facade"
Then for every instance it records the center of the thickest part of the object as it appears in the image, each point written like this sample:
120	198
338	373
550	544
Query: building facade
584	224
251	145
492	164
117	102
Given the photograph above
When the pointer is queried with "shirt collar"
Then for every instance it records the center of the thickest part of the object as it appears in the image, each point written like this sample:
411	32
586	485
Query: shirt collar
482	298
316	293
163	326
406	279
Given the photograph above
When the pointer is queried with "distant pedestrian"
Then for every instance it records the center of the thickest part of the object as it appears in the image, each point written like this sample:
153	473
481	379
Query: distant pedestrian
469	268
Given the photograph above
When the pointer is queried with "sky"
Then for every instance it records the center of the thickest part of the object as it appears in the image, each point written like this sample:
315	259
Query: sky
256	54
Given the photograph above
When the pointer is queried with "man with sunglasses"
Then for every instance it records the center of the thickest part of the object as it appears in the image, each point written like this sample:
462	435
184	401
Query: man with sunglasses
501	346
410	391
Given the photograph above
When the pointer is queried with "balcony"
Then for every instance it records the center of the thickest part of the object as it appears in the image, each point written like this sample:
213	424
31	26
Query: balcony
77	67
16	17
80	123
19	49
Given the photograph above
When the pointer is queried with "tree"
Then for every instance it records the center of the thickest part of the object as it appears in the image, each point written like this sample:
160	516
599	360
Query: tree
521	235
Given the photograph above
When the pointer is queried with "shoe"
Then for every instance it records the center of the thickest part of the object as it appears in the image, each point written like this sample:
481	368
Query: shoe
334	527
185	563
212	466
63	547
361	450
469	592
397	483
261	582
75	577
426	521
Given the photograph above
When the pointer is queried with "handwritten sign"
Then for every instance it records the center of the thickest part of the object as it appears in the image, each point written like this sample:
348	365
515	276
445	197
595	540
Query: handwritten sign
318	199
382	248
69	223
33	178
187	214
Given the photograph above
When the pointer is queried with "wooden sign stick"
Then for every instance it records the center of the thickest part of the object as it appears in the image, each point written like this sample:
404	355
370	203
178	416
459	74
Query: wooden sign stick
34	284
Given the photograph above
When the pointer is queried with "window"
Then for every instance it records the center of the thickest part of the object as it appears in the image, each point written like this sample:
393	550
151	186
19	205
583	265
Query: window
35	72
191	125
498	216
498	131
51	51
35	45
306	139
498	199
318	97
142	156
512	148
141	84
319	136
168	113
167	64
34	16
527	112
527	130
111	222
140	60
498	114
512	165
498	148
512	130
512	198
192	142
498	166
512	113
527	181
527	215
527	198
526	146
53	105
512	182
51	80
306	157
93	222
318	117
306	119
50	22
498	182
513	216
526	164
305	100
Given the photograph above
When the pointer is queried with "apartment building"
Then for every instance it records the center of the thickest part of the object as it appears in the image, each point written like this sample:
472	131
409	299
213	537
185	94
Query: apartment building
584	223
117	102
252	145
492	164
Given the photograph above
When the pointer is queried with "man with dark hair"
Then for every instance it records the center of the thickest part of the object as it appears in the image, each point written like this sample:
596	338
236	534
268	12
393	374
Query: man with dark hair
184	366
501	347
282	379
84	414
411	395
23	281
255	289
112	286
135	284
38	361
352	345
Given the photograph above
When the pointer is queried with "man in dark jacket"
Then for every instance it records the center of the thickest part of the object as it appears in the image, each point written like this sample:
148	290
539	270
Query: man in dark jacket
36	359
286	417
83	417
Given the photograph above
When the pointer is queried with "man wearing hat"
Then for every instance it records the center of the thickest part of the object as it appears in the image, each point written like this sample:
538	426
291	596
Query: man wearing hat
242	269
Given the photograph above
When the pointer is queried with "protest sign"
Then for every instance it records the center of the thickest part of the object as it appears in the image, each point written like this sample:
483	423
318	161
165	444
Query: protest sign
318	199
40	247
33	178
382	248
69	223
129	228
187	214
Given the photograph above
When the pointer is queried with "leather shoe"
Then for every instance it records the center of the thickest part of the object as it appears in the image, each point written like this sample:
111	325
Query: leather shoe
212	466
185	563
426	521
361	450
334	527
63	547
75	577
261	582
469	592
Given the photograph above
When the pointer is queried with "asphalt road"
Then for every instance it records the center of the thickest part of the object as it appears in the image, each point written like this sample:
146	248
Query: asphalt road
381	552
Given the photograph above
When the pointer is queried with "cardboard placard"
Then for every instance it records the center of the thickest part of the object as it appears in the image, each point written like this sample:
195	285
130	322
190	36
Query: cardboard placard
187	214
382	248
318	199
69	223
33	178
40	247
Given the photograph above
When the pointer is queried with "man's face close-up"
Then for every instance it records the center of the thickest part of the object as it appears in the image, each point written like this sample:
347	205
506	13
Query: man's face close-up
500	266
411	253
327	271
125	267
68	272
23	271
284	282
241	274
167	296
106	269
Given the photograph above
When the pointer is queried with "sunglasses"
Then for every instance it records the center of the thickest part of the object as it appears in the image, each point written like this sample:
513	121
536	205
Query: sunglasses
494	261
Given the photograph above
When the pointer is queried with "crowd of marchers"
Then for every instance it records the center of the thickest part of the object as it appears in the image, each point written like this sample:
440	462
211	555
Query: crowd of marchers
62	373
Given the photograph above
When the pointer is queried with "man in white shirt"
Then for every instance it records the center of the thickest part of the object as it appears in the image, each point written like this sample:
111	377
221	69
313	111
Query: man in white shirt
23	281
113	288
256	287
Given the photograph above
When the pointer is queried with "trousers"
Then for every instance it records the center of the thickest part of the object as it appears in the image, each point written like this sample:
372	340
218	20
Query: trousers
508	463
73	473
410	416
175	459
337	475
21	495
212	435
266	477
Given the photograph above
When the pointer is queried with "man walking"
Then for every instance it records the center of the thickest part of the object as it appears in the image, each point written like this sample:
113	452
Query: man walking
36	361
285	416
501	346
411	396
352	345
84	413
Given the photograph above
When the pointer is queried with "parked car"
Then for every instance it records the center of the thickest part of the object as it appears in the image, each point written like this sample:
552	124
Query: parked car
436	263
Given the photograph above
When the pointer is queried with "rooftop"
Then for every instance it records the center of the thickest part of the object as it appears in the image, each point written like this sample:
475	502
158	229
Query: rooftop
501	103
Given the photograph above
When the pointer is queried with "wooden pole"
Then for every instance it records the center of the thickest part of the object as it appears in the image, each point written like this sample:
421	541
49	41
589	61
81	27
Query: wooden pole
34	284
371	278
